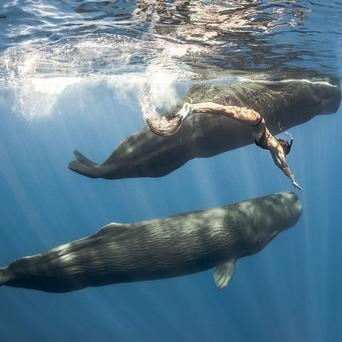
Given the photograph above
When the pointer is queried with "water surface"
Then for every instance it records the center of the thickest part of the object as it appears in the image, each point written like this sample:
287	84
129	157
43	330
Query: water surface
70	77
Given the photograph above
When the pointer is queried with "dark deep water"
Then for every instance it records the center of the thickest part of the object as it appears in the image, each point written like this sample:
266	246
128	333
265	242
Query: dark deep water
70	73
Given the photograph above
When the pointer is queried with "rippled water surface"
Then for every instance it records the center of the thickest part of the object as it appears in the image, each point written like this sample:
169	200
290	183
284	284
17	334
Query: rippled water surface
69	41
72	75
102	36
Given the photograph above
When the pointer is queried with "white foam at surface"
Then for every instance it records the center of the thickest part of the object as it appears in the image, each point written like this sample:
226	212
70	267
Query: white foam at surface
36	97
40	77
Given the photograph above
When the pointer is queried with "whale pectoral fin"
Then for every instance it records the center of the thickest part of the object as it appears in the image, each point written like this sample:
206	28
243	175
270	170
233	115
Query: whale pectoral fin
223	273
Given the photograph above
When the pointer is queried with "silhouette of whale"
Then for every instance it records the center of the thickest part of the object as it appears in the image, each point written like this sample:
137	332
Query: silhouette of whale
159	248
284	100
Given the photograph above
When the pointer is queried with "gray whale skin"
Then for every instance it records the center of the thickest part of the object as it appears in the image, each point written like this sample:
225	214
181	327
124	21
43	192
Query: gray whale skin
159	248
285	100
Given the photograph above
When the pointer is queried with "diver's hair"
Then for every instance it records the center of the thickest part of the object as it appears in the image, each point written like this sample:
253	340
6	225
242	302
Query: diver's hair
285	145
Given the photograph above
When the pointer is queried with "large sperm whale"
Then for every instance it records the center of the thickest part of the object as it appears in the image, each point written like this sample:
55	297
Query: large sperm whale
284	100
159	248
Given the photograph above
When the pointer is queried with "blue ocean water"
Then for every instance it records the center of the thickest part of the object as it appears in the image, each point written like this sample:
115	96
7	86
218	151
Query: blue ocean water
70	73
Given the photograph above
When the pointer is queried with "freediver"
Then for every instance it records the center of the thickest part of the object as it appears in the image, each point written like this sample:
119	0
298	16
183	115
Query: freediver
263	138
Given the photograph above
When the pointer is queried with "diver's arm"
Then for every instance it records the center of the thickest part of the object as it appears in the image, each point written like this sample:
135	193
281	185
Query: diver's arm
288	172
280	161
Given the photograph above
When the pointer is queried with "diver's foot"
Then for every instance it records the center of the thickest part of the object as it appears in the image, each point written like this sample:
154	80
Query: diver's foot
185	111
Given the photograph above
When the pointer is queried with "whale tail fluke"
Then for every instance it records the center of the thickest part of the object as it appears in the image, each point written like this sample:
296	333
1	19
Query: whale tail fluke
84	166
4	276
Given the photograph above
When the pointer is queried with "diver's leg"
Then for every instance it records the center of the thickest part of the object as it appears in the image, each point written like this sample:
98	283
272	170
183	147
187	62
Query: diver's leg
169	126
242	114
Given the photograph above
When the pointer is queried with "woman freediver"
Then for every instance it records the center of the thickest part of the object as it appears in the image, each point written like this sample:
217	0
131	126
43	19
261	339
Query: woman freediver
278	148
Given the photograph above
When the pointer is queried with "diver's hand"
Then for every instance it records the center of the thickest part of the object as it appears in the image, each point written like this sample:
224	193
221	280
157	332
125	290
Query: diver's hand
296	185
185	111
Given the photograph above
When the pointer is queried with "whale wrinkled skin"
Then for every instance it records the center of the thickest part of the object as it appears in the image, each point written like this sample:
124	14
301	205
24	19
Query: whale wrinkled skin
159	248
284	100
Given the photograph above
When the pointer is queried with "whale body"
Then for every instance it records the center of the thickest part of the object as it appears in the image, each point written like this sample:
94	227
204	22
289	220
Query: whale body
159	248
284	100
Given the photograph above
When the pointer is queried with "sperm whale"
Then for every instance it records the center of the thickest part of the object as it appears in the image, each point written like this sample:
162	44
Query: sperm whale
159	248
284	100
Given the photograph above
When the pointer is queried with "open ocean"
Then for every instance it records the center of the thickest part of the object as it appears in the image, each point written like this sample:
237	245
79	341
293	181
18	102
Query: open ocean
70	74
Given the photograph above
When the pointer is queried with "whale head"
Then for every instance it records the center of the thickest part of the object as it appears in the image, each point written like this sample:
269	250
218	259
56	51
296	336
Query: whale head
283	209
326	94
263	218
